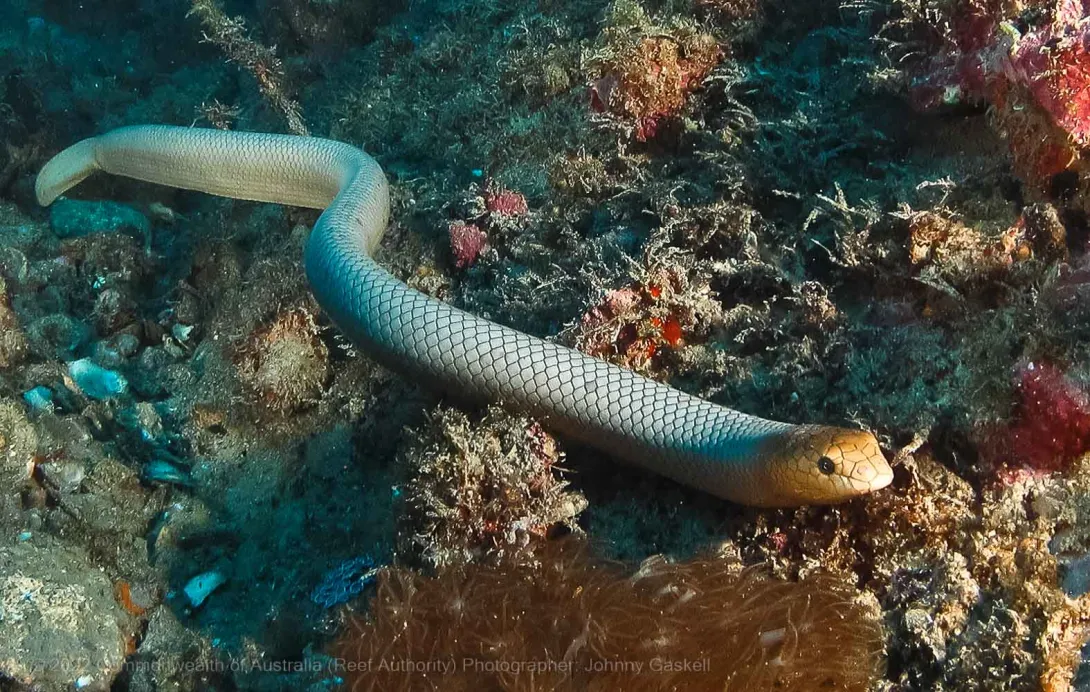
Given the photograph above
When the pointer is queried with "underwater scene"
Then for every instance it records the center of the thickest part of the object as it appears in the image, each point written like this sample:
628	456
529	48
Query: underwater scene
544	345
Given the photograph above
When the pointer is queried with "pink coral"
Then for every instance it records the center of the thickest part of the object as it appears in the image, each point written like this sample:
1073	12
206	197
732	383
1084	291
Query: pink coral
1051	427
503	202
467	240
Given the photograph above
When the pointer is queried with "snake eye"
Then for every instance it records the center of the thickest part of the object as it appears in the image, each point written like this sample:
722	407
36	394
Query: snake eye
826	465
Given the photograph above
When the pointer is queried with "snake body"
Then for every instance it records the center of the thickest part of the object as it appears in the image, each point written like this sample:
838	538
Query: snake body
727	453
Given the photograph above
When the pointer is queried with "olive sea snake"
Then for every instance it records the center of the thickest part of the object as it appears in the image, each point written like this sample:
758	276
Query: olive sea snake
724	452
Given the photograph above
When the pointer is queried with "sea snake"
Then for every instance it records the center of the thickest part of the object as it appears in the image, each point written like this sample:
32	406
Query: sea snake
721	451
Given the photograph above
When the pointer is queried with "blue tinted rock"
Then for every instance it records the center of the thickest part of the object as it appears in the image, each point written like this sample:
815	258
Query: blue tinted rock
71	218
95	381
201	587
40	399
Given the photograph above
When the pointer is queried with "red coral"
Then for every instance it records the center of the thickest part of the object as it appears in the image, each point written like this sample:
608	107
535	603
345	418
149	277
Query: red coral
466	242
504	202
1051	427
632	324
671	331
778	541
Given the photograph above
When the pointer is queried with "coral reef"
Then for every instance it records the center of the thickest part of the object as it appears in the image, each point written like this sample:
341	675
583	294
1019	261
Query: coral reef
947	252
496	212
575	622
633	326
725	195
649	81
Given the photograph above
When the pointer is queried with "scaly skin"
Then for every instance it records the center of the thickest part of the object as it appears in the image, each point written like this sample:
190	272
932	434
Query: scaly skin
727	453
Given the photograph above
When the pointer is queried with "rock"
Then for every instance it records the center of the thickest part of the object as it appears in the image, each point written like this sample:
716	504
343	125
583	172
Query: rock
60	623
56	336
66	476
18	443
72	218
1076	576
168	657
40	399
13	345
95	381
200	587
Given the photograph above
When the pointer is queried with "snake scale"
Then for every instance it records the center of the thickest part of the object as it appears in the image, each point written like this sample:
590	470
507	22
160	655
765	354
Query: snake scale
724	452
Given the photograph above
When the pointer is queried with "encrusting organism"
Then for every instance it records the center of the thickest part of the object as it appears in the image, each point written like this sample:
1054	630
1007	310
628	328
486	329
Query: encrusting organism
467	240
573	622
1030	66
631	325
481	490
648	82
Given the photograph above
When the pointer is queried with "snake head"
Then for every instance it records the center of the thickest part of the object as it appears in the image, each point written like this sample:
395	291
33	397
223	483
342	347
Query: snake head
818	464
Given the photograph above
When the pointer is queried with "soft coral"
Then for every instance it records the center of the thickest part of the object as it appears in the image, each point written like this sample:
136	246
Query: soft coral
568	620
